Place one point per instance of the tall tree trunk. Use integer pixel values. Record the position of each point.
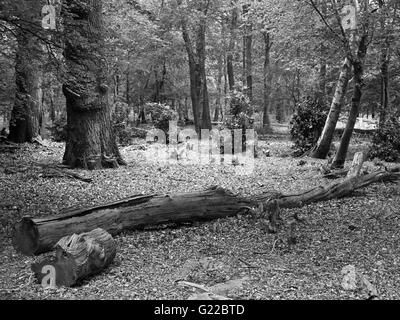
(186, 115)
(358, 66)
(322, 81)
(197, 68)
(226, 98)
(384, 105)
(159, 95)
(24, 122)
(218, 105)
(323, 65)
(219, 110)
(128, 84)
(116, 79)
(324, 143)
(180, 111)
(248, 52)
(156, 96)
(267, 81)
(279, 107)
(249, 64)
(201, 52)
(52, 106)
(385, 78)
(195, 79)
(163, 79)
(386, 30)
(231, 49)
(91, 141)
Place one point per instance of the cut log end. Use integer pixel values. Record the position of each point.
(25, 237)
(77, 257)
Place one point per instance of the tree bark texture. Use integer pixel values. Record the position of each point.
(91, 142)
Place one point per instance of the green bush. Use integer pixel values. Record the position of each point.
(240, 116)
(239, 103)
(307, 125)
(161, 115)
(239, 112)
(386, 141)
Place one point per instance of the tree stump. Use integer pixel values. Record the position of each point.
(77, 257)
(356, 166)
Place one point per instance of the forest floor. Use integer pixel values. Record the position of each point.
(362, 230)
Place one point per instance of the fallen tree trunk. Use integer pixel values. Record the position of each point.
(336, 190)
(47, 171)
(271, 207)
(77, 257)
(35, 236)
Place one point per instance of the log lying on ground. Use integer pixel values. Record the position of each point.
(328, 192)
(48, 171)
(77, 257)
(35, 236)
(7, 146)
(338, 190)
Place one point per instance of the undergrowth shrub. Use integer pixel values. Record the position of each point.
(161, 115)
(386, 141)
(240, 110)
(307, 125)
(240, 116)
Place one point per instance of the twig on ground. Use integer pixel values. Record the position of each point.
(250, 266)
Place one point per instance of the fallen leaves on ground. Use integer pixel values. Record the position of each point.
(362, 231)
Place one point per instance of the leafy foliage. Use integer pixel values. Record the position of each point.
(386, 141)
(240, 111)
(240, 116)
(161, 115)
(307, 125)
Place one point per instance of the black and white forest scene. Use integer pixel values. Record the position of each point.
(200, 150)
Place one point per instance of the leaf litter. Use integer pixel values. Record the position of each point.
(303, 261)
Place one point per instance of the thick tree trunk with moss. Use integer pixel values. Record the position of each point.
(91, 141)
(24, 123)
(324, 143)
